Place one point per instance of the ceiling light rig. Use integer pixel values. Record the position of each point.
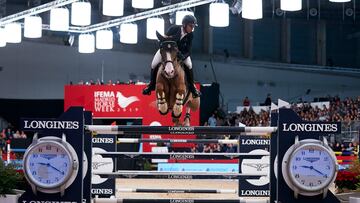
(142, 4)
(113, 7)
(33, 27)
(219, 14)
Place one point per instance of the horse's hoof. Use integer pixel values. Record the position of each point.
(164, 112)
(174, 116)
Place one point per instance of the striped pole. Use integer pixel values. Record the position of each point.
(179, 156)
(145, 190)
(207, 130)
(204, 141)
(177, 174)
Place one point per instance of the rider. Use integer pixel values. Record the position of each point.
(184, 44)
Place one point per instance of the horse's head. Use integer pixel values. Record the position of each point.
(168, 51)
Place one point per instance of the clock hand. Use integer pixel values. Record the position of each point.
(317, 171)
(55, 169)
(306, 166)
(312, 168)
(47, 164)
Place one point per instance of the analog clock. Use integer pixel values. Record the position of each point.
(50, 164)
(309, 167)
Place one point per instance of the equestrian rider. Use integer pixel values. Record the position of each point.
(184, 44)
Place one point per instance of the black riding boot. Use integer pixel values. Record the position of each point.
(190, 80)
(151, 86)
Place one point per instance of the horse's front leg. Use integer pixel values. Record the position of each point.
(161, 99)
(187, 117)
(179, 102)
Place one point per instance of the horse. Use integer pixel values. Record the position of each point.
(171, 89)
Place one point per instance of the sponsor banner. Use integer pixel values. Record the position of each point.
(313, 127)
(124, 101)
(69, 123)
(198, 167)
(254, 186)
(48, 124)
(104, 187)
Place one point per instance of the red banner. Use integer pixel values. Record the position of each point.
(121, 102)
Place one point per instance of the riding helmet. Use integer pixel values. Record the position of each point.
(189, 19)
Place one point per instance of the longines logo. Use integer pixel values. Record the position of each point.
(180, 176)
(182, 201)
(255, 192)
(255, 142)
(181, 130)
(181, 156)
(257, 166)
(47, 201)
(102, 191)
(310, 127)
(36, 124)
(102, 140)
(97, 165)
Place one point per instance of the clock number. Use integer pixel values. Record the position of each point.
(297, 159)
(47, 181)
(325, 176)
(311, 150)
(297, 176)
(303, 182)
(35, 155)
(294, 167)
(328, 167)
(34, 173)
(48, 147)
(57, 179)
(319, 182)
(303, 153)
(65, 164)
(311, 184)
(40, 150)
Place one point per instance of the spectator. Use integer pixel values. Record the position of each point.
(246, 101)
(212, 120)
(268, 100)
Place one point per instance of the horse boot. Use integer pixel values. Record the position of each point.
(151, 86)
(190, 80)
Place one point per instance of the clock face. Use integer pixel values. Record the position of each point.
(48, 164)
(311, 167)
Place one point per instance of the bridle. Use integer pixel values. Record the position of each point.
(168, 45)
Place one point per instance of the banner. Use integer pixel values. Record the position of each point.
(124, 101)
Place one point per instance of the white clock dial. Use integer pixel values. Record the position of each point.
(48, 164)
(311, 167)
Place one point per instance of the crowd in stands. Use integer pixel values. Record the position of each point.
(344, 111)
(109, 82)
(9, 133)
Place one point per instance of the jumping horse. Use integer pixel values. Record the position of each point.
(171, 89)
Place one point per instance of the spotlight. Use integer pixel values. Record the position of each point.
(236, 8)
(69, 40)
